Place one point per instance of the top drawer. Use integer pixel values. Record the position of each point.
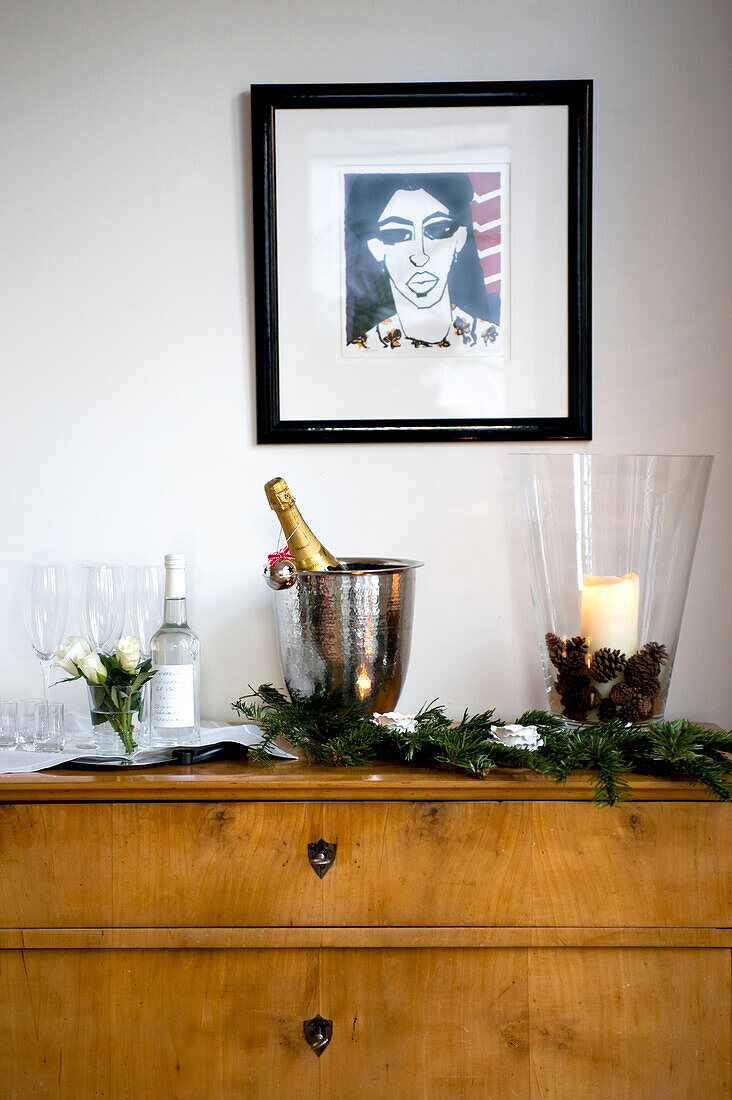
(544, 864)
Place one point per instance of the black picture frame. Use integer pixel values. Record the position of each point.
(266, 103)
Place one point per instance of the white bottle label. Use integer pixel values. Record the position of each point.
(172, 697)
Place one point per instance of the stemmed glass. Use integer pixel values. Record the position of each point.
(145, 605)
(145, 602)
(46, 610)
(102, 604)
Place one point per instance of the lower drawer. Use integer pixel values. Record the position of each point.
(420, 1023)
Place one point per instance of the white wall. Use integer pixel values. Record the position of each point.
(127, 335)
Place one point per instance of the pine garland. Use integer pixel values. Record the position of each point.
(605, 751)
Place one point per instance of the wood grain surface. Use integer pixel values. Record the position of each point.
(618, 1025)
(423, 1024)
(218, 1024)
(55, 865)
(465, 863)
(426, 1024)
(216, 864)
(95, 939)
(55, 1025)
(652, 864)
(481, 864)
(153, 1024)
(296, 780)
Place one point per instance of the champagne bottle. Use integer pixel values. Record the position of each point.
(175, 654)
(307, 550)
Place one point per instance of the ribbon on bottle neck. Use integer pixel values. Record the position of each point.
(280, 555)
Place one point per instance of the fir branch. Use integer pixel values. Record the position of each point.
(704, 773)
(271, 696)
(674, 740)
(606, 751)
(608, 764)
(543, 721)
(716, 739)
(458, 747)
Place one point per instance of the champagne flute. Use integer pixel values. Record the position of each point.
(102, 604)
(145, 602)
(46, 610)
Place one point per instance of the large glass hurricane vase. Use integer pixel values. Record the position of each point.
(610, 542)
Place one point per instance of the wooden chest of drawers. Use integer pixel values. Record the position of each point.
(167, 934)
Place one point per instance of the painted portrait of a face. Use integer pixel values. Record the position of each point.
(414, 275)
(418, 242)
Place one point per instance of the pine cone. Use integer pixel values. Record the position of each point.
(632, 704)
(591, 697)
(646, 664)
(606, 664)
(570, 686)
(607, 710)
(650, 688)
(574, 656)
(569, 680)
(657, 651)
(554, 645)
(575, 711)
(641, 670)
(637, 711)
(621, 692)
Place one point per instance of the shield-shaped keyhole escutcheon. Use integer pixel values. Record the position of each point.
(318, 1033)
(321, 856)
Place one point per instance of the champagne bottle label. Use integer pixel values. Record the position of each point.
(172, 702)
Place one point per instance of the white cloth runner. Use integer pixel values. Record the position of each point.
(79, 736)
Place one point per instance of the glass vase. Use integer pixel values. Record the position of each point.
(117, 729)
(610, 541)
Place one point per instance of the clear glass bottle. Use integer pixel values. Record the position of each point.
(175, 654)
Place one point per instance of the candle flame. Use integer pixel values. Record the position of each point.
(363, 683)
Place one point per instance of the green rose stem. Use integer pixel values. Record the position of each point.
(122, 723)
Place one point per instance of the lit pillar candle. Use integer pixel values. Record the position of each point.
(610, 612)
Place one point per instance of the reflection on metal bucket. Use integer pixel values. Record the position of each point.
(345, 636)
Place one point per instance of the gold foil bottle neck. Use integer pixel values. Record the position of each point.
(278, 494)
(307, 550)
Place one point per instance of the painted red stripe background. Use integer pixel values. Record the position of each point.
(484, 183)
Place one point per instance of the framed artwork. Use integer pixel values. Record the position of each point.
(422, 261)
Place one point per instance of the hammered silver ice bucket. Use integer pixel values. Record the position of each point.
(344, 637)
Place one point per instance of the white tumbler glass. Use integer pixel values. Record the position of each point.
(30, 722)
(50, 735)
(8, 723)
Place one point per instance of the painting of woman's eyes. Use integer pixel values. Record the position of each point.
(439, 229)
(395, 234)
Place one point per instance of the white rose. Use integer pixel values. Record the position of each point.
(70, 653)
(92, 669)
(127, 651)
(517, 737)
(404, 723)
